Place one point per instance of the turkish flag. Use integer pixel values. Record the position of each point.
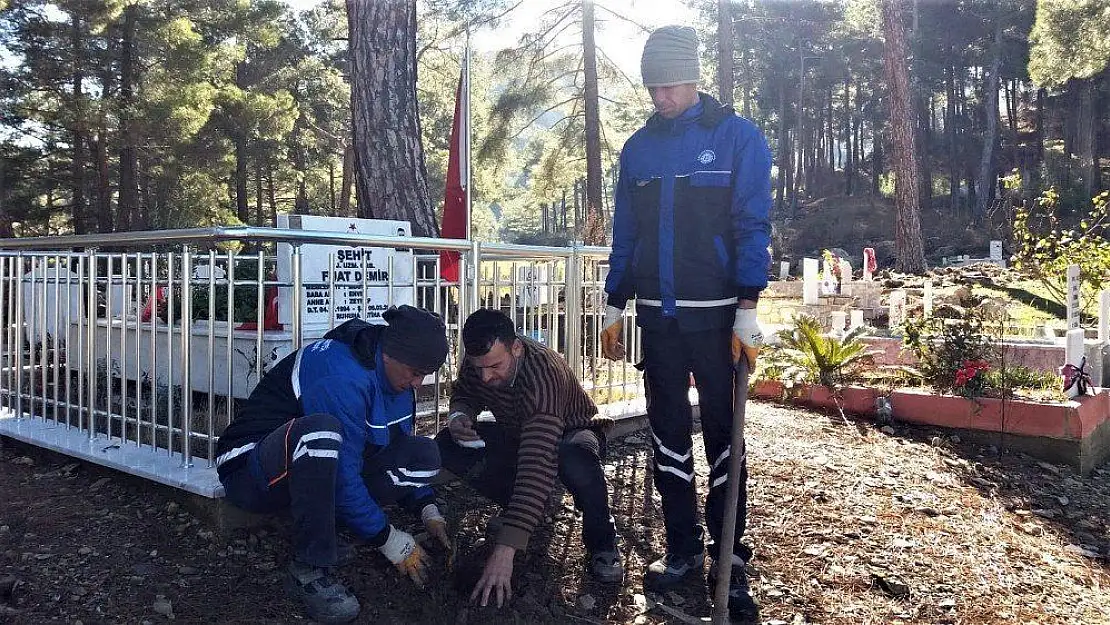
(454, 198)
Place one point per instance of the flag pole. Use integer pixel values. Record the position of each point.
(465, 156)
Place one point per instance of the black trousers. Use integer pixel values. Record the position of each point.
(670, 357)
(295, 467)
(580, 454)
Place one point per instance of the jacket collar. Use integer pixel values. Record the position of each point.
(708, 112)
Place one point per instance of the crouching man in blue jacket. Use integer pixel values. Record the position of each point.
(327, 433)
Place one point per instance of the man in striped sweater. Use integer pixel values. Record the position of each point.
(546, 428)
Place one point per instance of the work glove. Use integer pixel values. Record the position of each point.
(612, 331)
(747, 337)
(461, 427)
(435, 524)
(409, 558)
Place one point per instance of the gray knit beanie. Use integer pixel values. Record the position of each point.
(670, 57)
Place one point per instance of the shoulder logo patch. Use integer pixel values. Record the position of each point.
(706, 157)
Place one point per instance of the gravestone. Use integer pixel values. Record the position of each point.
(811, 282)
(996, 250)
(928, 298)
(838, 319)
(856, 319)
(1104, 316)
(1073, 297)
(784, 270)
(897, 308)
(352, 267)
(869, 263)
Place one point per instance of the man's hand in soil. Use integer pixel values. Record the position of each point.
(409, 558)
(497, 576)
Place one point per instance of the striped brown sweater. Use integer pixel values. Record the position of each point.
(544, 401)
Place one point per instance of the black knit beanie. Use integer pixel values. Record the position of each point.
(415, 337)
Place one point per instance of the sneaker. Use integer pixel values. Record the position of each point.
(324, 598)
(668, 571)
(742, 608)
(606, 567)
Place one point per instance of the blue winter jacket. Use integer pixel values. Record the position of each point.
(691, 218)
(345, 378)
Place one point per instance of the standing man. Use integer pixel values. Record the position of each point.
(690, 237)
(327, 433)
(547, 427)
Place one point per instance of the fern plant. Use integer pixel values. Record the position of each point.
(805, 354)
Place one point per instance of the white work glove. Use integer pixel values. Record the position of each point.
(435, 524)
(463, 432)
(747, 337)
(612, 332)
(409, 558)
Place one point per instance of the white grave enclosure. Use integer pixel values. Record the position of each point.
(386, 274)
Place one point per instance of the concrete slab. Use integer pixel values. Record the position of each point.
(114, 453)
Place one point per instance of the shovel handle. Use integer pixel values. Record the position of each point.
(732, 494)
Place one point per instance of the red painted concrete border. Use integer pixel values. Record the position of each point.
(1073, 420)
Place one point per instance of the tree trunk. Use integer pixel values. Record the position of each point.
(259, 209)
(242, 208)
(392, 174)
(272, 195)
(849, 147)
(1085, 137)
(924, 164)
(950, 130)
(745, 62)
(876, 157)
(909, 252)
(1042, 101)
(985, 184)
(77, 140)
(331, 187)
(99, 146)
(784, 151)
(127, 209)
(347, 180)
(593, 124)
(724, 51)
(5, 219)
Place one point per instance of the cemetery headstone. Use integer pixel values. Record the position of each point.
(1073, 297)
(376, 268)
(784, 270)
(870, 265)
(811, 283)
(1104, 316)
(856, 320)
(897, 308)
(928, 298)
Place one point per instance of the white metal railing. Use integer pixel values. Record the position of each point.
(148, 339)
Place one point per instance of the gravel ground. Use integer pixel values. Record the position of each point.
(850, 524)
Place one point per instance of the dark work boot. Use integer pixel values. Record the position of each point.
(606, 567)
(742, 608)
(670, 570)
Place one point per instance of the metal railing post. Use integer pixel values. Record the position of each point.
(186, 357)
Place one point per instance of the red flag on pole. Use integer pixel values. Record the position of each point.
(454, 198)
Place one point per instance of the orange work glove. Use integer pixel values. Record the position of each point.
(612, 333)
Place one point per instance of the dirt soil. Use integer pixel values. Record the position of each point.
(850, 524)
